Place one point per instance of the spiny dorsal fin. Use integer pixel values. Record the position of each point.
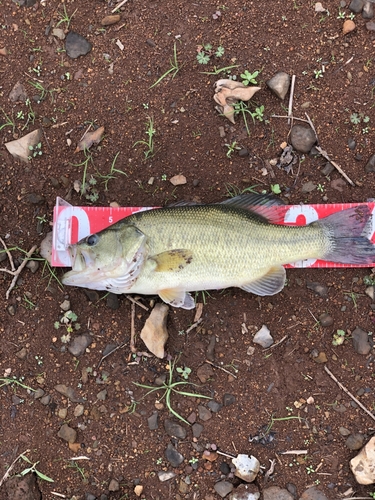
(263, 205)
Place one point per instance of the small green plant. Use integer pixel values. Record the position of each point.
(206, 52)
(8, 123)
(341, 14)
(320, 188)
(33, 469)
(65, 18)
(338, 338)
(369, 280)
(226, 69)
(184, 372)
(275, 188)
(110, 175)
(193, 460)
(248, 77)
(81, 471)
(35, 151)
(231, 148)
(357, 118)
(14, 381)
(310, 469)
(169, 387)
(318, 73)
(69, 321)
(159, 461)
(233, 190)
(173, 70)
(149, 142)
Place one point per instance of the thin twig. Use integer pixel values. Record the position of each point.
(194, 325)
(290, 105)
(109, 353)
(294, 118)
(135, 301)
(325, 155)
(132, 330)
(294, 452)
(349, 393)
(270, 470)
(8, 254)
(88, 128)
(312, 126)
(277, 343)
(119, 5)
(6, 475)
(16, 272)
(220, 368)
(224, 454)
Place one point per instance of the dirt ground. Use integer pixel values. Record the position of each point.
(264, 392)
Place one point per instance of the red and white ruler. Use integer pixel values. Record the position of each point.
(71, 224)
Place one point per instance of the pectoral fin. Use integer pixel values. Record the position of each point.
(177, 298)
(269, 284)
(172, 260)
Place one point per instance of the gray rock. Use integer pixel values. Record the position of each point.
(279, 84)
(245, 492)
(153, 421)
(228, 399)
(370, 26)
(23, 488)
(355, 441)
(76, 45)
(356, 6)
(302, 138)
(174, 429)
(67, 433)
(368, 10)
(277, 493)
(344, 431)
(370, 165)
(45, 400)
(292, 489)
(361, 342)
(69, 393)
(114, 485)
(223, 488)
(92, 295)
(352, 143)
(203, 413)
(173, 456)
(328, 169)
(313, 494)
(78, 410)
(39, 393)
(308, 187)
(326, 320)
(102, 395)
(214, 406)
(18, 93)
(79, 344)
(33, 265)
(22, 353)
(90, 496)
(113, 301)
(65, 306)
(263, 337)
(58, 33)
(165, 475)
(319, 289)
(197, 429)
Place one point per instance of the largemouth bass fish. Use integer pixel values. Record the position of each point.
(238, 243)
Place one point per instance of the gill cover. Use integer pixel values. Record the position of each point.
(110, 260)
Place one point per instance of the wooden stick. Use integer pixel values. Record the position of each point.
(132, 330)
(135, 301)
(108, 354)
(349, 393)
(294, 118)
(220, 368)
(18, 271)
(337, 167)
(290, 105)
(119, 5)
(8, 254)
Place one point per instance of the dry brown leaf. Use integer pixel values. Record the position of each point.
(20, 148)
(89, 139)
(243, 94)
(74, 447)
(228, 84)
(228, 92)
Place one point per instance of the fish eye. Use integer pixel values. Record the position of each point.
(92, 240)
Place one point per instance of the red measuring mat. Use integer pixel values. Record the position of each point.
(71, 224)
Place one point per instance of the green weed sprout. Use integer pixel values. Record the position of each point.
(108, 177)
(248, 77)
(34, 469)
(169, 387)
(149, 142)
(65, 18)
(174, 69)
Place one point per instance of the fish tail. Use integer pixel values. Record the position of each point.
(347, 233)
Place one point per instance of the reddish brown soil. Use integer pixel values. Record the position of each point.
(257, 35)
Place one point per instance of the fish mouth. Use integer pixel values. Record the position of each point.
(80, 262)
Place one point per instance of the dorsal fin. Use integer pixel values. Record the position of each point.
(266, 206)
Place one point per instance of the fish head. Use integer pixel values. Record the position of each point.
(108, 260)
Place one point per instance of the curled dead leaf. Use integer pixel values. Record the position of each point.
(228, 93)
(89, 139)
(20, 148)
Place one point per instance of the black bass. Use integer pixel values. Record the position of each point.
(238, 243)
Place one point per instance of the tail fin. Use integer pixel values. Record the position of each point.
(347, 231)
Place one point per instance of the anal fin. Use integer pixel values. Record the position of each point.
(270, 283)
(177, 298)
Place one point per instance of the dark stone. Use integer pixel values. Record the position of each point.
(302, 138)
(321, 290)
(173, 456)
(328, 168)
(214, 406)
(23, 488)
(224, 468)
(35, 199)
(355, 441)
(351, 143)
(361, 342)
(113, 301)
(79, 344)
(197, 429)
(76, 45)
(325, 319)
(356, 6)
(92, 295)
(153, 421)
(174, 430)
(228, 399)
(370, 165)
